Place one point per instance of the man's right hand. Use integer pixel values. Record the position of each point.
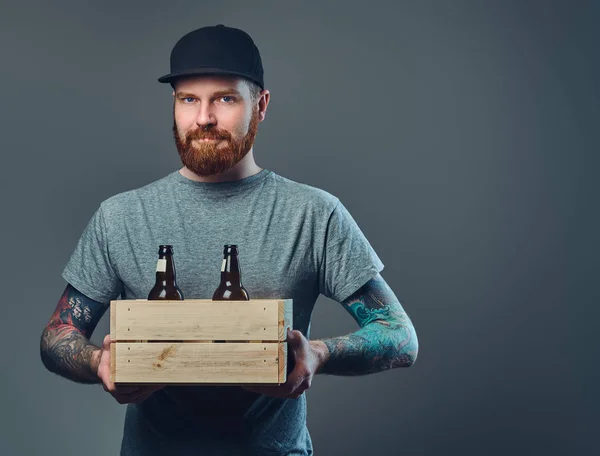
(130, 394)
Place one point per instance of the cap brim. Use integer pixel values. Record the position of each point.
(203, 71)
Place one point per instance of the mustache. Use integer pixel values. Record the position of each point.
(202, 134)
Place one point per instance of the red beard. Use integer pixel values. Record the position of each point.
(209, 158)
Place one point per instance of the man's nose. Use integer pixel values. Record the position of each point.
(205, 116)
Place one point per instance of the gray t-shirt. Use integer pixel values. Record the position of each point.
(295, 242)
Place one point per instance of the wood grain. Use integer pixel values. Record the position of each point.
(285, 317)
(196, 320)
(198, 362)
(200, 341)
(113, 319)
(282, 361)
(113, 361)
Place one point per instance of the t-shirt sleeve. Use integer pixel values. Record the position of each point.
(90, 269)
(349, 261)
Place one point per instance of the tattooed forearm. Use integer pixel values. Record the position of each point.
(386, 339)
(68, 353)
(65, 348)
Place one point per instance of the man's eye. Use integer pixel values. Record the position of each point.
(188, 99)
(230, 98)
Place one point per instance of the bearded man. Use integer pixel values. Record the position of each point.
(297, 242)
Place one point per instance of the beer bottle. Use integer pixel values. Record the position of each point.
(231, 287)
(165, 287)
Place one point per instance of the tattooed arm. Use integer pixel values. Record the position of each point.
(64, 346)
(386, 338)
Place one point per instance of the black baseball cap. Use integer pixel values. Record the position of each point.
(215, 49)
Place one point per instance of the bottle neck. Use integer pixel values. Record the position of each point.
(165, 269)
(230, 270)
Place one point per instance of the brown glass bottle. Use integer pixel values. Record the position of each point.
(165, 287)
(231, 288)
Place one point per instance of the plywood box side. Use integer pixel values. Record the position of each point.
(229, 320)
(197, 363)
(282, 359)
(285, 317)
(113, 315)
(289, 315)
(113, 361)
(254, 320)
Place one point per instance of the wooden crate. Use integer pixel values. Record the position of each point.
(200, 341)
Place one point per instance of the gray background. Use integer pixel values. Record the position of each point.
(462, 136)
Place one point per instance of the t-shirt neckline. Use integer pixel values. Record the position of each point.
(222, 188)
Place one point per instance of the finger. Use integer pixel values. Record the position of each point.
(126, 398)
(295, 379)
(144, 393)
(148, 388)
(295, 350)
(120, 389)
(298, 344)
(302, 387)
(292, 337)
(106, 342)
(130, 389)
(106, 383)
(294, 391)
(136, 398)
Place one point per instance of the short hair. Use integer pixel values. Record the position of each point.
(254, 91)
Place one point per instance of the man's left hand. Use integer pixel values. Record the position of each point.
(309, 357)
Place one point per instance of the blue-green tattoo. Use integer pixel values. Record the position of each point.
(386, 338)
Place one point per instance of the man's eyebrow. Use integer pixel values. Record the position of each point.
(219, 93)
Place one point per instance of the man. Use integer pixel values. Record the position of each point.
(296, 241)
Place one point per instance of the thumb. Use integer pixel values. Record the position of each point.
(291, 336)
(106, 342)
(294, 338)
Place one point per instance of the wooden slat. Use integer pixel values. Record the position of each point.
(283, 349)
(113, 320)
(285, 317)
(113, 364)
(195, 363)
(196, 320)
(286, 321)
